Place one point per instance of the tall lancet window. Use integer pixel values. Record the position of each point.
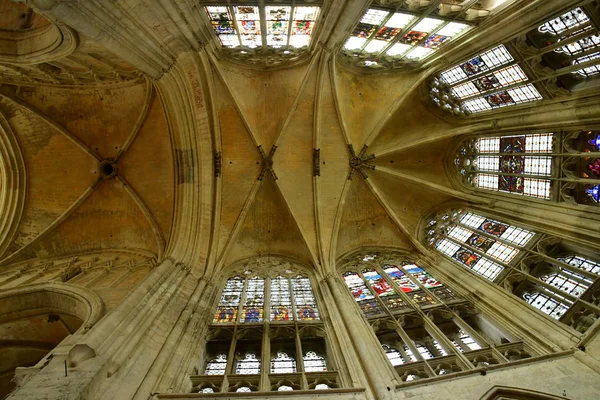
(557, 277)
(424, 328)
(560, 166)
(266, 334)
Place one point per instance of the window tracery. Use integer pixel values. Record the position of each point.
(274, 31)
(410, 32)
(266, 333)
(435, 332)
(554, 276)
(556, 166)
(554, 59)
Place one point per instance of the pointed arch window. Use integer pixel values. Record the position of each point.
(432, 325)
(557, 279)
(557, 166)
(266, 328)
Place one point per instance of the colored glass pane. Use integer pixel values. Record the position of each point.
(426, 279)
(400, 278)
(249, 365)
(362, 294)
(594, 193)
(306, 306)
(217, 365)
(283, 364)
(281, 302)
(252, 311)
(313, 362)
(230, 301)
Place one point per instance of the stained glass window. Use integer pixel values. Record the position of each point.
(567, 21)
(401, 35)
(582, 263)
(488, 81)
(241, 25)
(230, 300)
(476, 241)
(518, 164)
(378, 291)
(281, 302)
(290, 298)
(304, 300)
(248, 365)
(283, 364)
(217, 365)
(313, 362)
(362, 294)
(547, 305)
(464, 342)
(252, 311)
(393, 355)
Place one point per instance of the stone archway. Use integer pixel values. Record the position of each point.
(35, 319)
(512, 393)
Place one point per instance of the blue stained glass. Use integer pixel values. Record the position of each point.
(595, 142)
(593, 192)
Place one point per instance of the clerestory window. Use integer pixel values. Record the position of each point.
(266, 335)
(421, 324)
(559, 278)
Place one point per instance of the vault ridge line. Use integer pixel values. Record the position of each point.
(337, 222)
(415, 242)
(217, 70)
(396, 105)
(238, 224)
(463, 130)
(437, 187)
(336, 100)
(48, 120)
(149, 216)
(321, 75)
(206, 73)
(15, 187)
(61, 218)
(303, 85)
(140, 121)
(314, 256)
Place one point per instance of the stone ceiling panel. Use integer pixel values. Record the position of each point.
(148, 167)
(265, 97)
(365, 222)
(57, 171)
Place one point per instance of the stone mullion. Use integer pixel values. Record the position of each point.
(432, 6)
(373, 293)
(265, 365)
(522, 248)
(375, 365)
(263, 22)
(480, 253)
(463, 325)
(290, 23)
(444, 342)
(339, 356)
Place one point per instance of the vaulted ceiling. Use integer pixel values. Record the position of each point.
(311, 161)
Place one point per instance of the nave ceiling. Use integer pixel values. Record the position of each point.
(255, 175)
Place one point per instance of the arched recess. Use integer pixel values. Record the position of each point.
(34, 319)
(28, 38)
(12, 184)
(512, 393)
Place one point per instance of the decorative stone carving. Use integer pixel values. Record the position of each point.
(360, 162)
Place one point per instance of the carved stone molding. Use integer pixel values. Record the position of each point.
(48, 43)
(13, 187)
